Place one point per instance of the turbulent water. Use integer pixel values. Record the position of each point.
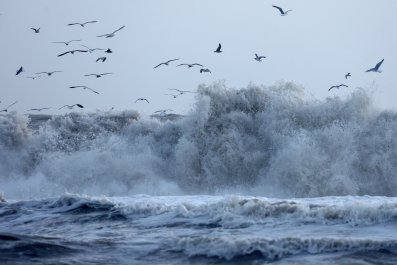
(72, 185)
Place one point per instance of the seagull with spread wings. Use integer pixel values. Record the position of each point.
(82, 24)
(36, 30)
(91, 50)
(39, 109)
(72, 106)
(48, 73)
(99, 75)
(283, 13)
(85, 87)
(65, 42)
(165, 63)
(347, 75)
(376, 68)
(142, 99)
(338, 86)
(190, 65)
(103, 59)
(6, 109)
(111, 35)
(71, 52)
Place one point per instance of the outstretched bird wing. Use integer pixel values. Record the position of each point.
(62, 54)
(158, 65)
(379, 64)
(11, 104)
(71, 24)
(279, 8)
(118, 29)
(94, 21)
(80, 106)
(19, 70)
(219, 48)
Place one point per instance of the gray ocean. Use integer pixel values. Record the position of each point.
(258, 175)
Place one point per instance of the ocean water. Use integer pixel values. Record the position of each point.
(259, 175)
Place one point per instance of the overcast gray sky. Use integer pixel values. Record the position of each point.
(315, 46)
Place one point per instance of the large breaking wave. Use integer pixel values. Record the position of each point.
(268, 141)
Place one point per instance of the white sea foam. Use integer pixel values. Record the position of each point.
(267, 141)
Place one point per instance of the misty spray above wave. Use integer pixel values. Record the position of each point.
(267, 141)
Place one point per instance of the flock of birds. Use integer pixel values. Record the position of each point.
(177, 93)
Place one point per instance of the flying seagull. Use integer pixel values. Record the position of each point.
(6, 109)
(72, 106)
(376, 68)
(85, 87)
(103, 59)
(71, 52)
(218, 50)
(49, 73)
(38, 109)
(91, 50)
(142, 99)
(174, 96)
(259, 58)
(98, 75)
(165, 63)
(190, 65)
(33, 77)
(283, 13)
(347, 75)
(341, 85)
(111, 35)
(65, 42)
(202, 70)
(163, 111)
(20, 70)
(36, 30)
(181, 92)
(82, 24)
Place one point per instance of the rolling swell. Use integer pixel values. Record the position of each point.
(268, 141)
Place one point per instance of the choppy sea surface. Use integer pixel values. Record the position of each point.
(259, 175)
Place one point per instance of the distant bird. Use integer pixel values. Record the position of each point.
(72, 106)
(376, 68)
(36, 30)
(99, 75)
(108, 51)
(33, 77)
(85, 87)
(111, 35)
(142, 99)
(259, 58)
(103, 59)
(165, 63)
(6, 109)
(174, 96)
(181, 92)
(91, 50)
(347, 75)
(341, 85)
(163, 111)
(20, 70)
(190, 65)
(218, 50)
(82, 24)
(39, 109)
(202, 70)
(65, 42)
(283, 13)
(71, 52)
(49, 73)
